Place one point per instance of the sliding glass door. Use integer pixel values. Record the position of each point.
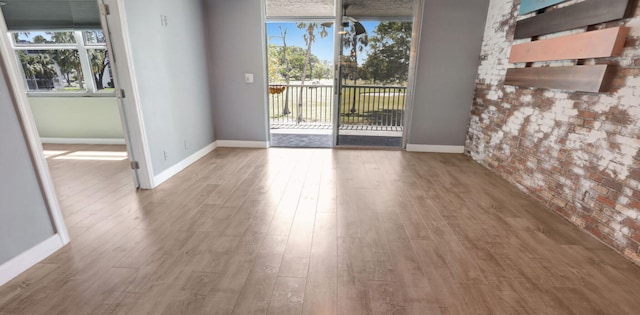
(374, 67)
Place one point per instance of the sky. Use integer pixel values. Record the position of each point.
(322, 47)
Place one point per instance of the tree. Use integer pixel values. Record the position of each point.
(67, 59)
(37, 66)
(290, 68)
(354, 43)
(390, 48)
(99, 64)
(274, 65)
(309, 39)
(322, 69)
(287, 68)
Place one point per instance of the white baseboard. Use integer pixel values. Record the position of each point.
(28, 259)
(242, 144)
(435, 148)
(170, 172)
(82, 140)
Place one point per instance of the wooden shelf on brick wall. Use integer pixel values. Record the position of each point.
(595, 44)
(591, 44)
(579, 78)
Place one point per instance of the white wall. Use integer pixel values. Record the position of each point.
(448, 61)
(24, 217)
(236, 45)
(170, 66)
(77, 117)
(449, 55)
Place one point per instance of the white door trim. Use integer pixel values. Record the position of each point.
(413, 68)
(130, 111)
(337, 64)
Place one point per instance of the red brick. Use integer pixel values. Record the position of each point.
(587, 115)
(632, 224)
(634, 204)
(589, 220)
(606, 201)
(617, 186)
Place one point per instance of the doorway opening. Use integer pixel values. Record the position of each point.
(373, 79)
(301, 90)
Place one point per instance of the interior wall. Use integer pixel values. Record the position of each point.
(578, 153)
(448, 58)
(236, 45)
(170, 65)
(77, 117)
(24, 217)
(450, 46)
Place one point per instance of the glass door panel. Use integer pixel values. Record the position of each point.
(301, 91)
(374, 66)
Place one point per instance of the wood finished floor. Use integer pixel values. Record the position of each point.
(308, 231)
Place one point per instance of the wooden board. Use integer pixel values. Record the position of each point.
(528, 6)
(596, 44)
(582, 14)
(580, 78)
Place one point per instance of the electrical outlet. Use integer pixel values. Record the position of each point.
(248, 78)
(185, 145)
(163, 20)
(166, 155)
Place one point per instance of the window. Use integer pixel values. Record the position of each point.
(64, 62)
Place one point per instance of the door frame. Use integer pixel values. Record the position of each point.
(266, 20)
(418, 13)
(114, 24)
(418, 9)
(337, 70)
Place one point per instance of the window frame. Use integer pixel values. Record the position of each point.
(85, 62)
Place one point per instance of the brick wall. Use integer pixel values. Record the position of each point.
(578, 153)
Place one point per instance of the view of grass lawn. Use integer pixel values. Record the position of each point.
(371, 105)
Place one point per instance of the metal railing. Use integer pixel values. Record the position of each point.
(365, 107)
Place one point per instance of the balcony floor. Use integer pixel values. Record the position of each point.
(321, 138)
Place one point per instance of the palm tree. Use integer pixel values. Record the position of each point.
(286, 110)
(68, 60)
(356, 43)
(309, 39)
(37, 67)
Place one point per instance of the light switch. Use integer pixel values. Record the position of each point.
(248, 78)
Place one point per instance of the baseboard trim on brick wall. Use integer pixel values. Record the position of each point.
(82, 140)
(435, 148)
(242, 144)
(170, 172)
(29, 258)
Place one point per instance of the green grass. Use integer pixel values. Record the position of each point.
(371, 106)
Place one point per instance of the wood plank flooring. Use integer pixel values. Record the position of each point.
(312, 231)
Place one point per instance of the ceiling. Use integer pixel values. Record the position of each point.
(83, 14)
(51, 14)
(355, 8)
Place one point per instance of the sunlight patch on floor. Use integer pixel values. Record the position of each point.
(94, 156)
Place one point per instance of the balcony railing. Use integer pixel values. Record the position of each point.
(363, 107)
